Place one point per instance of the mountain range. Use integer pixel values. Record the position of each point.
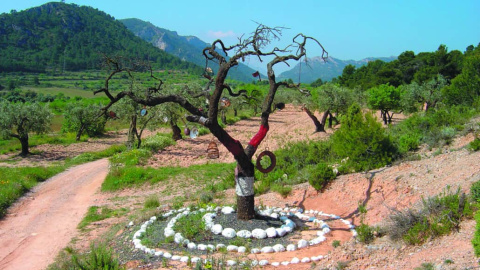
(59, 36)
(316, 67)
(188, 48)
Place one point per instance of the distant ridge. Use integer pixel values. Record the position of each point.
(58, 36)
(188, 48)
(316, 68)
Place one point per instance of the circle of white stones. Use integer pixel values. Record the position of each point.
(283, 214)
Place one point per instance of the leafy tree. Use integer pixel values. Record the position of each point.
(465, 88)
(329, 99)
(362, 140)
(318, 82)
(255, 45)
(385, 98)
(80, 118)
(17, 120)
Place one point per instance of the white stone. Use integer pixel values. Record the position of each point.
(315, 259)
(263, 262)
(130, 224)
(229, 233)
(220, 246)
(158, 253)
(231, 262)
(259, 234)
(285, 263)
(354, 233)
(184, 259)
(255, 251)
(192, 245)
(232, 248)
(274, 215)
(210, 247)
(278, 248)
(175, 258)
(137, 241)
(306, 260)
(169, 232)
(242, 249)
(281, 232)
(227, 210)
(201, 247)
(302, 243)
(195, 259)
(217, 229)
(178, 238)
(244, 234)
(153, 218)
(275, 264)
(167, 255)
(291, 247)
(267, 250)
(271, 232)
(326, 230)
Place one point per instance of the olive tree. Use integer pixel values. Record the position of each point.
(17, 120)
(258, 44)
(80, 117)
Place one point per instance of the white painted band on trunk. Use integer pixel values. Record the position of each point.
(202, 120)
(244, 186)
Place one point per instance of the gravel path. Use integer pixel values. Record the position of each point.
(45, 220)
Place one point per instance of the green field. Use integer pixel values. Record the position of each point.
(68, 92)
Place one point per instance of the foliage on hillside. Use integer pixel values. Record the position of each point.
(58, 36)
(406, 69)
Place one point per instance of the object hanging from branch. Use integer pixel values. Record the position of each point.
(257, 74)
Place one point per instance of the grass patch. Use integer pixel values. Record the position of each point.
(438, 215)
(192, 227)
(98, 257)
(15, 182)
(152, 201)
(96, 213)
(131, 176)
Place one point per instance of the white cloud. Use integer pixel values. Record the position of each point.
(221, 34)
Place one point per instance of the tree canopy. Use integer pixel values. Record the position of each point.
(17, 120)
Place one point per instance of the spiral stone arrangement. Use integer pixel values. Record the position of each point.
(229, 233)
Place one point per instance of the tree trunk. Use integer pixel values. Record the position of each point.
(24, 143)
(245, 193)
(319, 127)
(384, 117)
(224, 117)
(132, 130)
(80, 132)
(176, 132)
(235, 112)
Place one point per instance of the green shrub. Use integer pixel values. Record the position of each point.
(192, 227)
(476, 237)
(157, 142)
(474, 145)
(131, 158)
(98, 257)
(365, 233)
(320, 176)
(475, 191)
(363, 140)
(151, 202)
(437, 216)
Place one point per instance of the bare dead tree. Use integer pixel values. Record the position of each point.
(253, 46)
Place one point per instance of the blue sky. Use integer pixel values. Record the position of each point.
(347, 29)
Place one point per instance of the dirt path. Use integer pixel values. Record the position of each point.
(44, 221)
